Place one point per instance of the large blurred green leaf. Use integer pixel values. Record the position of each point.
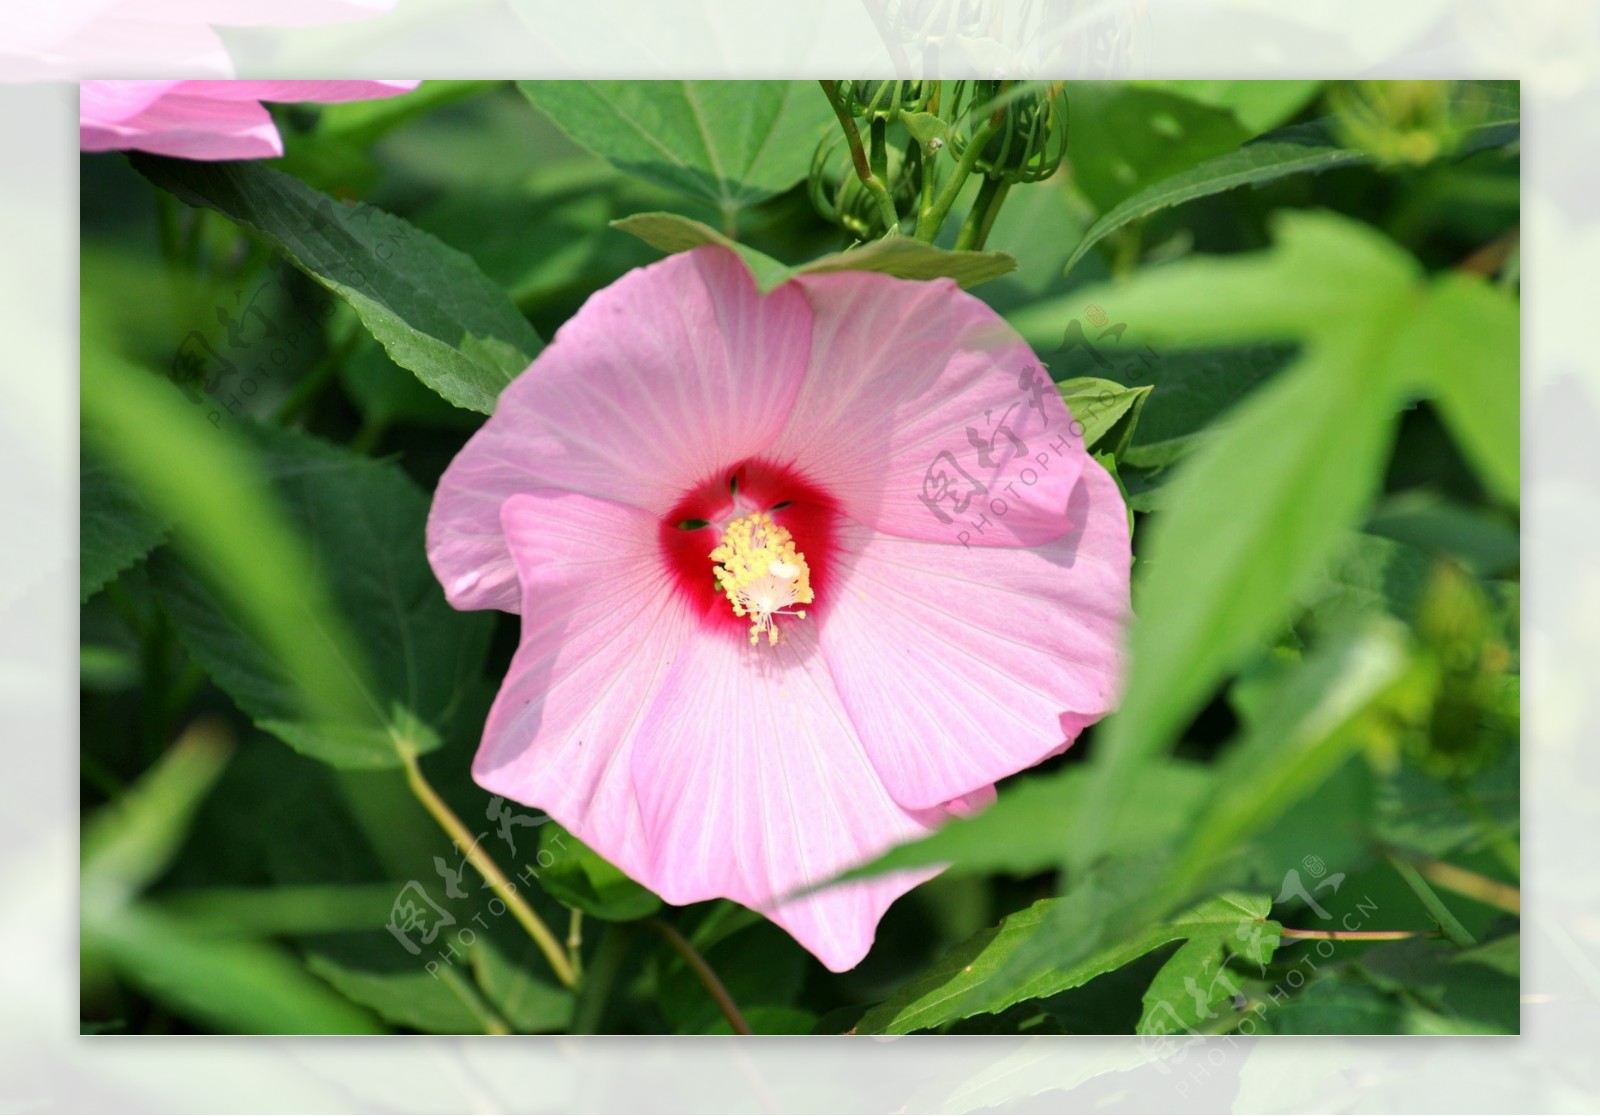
(1304, 734)
(958, 985)
(1023, 832)
(228, 983)
(731, 143)
(1463, 347)
(428, 304)
(1298, 149)
(365, 520)
(226, 523)
(115, 527)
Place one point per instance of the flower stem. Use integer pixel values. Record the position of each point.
(932, 220)
(1471, 884)
(858, 157)
(975, 229)
(1457, 933)
(487, 868)
(1356, 935)
(697, 965)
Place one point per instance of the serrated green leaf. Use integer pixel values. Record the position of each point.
(429, 306)
(579, 877)
(115, 526)
(1300, 149)
(1108, 412)
(439, 1003)
(730, 143)
(420, 655)
(964, 982)
(512, 973)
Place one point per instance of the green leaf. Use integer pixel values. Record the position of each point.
(963, 982)
(439, 1003)
(1258, 105)
(1299, 149)
(426, 303)
(115, 526)
(899, 256)
(228, 984)
(1368, 573)
(579, 877)
(187, 469)
(510, 971)
(1023, 832)
(1126, 137)
(671, 232)
(730, 143)
(1254, 512)
(905, 258)
(367, 519)
(132, 841)
(1108, 412)
(1305, 733)
(1463, 348)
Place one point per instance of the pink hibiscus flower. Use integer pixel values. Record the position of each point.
(800, 574)
(203, 119)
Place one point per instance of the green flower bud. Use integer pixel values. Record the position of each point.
(1030, 136)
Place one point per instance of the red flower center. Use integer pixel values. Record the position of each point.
(695, 526)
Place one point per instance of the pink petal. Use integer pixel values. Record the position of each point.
(112, 102)
(599, 629)
(321, 92)
(674, 372)
(960, 666)
(191, 128)
(904, 377)
(753, 784)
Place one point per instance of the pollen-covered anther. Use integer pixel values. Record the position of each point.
(762, 573)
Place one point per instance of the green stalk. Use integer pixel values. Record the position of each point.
(1457, 933)
(487, 868)
(930, 222)
(858, 157)
(975, 229)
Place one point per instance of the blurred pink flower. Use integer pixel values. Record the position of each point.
(203, 119)
(800, 574)
(45, 39)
